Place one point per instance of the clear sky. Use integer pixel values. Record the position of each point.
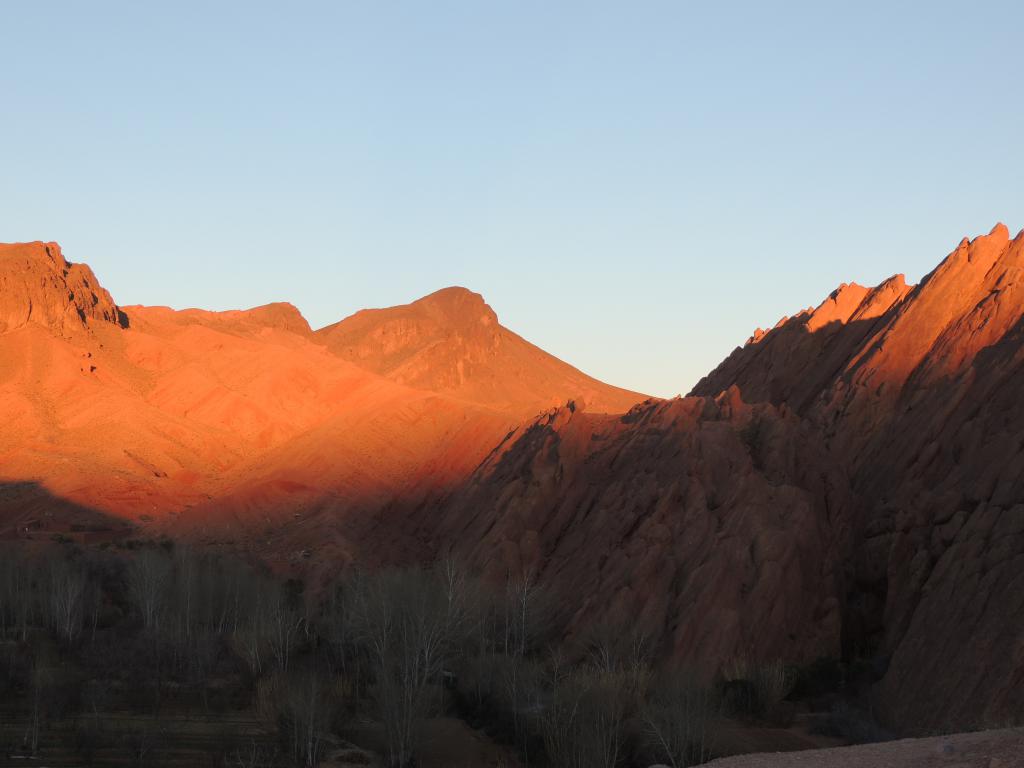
(634, 186)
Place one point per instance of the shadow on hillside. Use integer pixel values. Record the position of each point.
(28, 511)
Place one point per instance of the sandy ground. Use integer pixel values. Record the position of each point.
(985, 749)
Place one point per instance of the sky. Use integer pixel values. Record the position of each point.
(633, 186)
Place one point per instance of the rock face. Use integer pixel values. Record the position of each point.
(37, 285)
(715, 528)
(451, 342)
(920, 401)
(793, 362)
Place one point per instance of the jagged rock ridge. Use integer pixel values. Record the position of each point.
(922, 406)
(37, 285)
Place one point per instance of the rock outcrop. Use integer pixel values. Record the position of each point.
(715, 528)
(37, 285)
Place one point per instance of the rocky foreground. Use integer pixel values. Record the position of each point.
(985, 749)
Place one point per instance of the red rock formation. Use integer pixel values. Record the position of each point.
(794, 361)
(716, 528)
(38, 286)
(922, 405)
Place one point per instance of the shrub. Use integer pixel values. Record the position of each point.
(583, 724)
(819, 678)
(677, 717)
(755, 688)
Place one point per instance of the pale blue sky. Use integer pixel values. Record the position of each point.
(633, 186)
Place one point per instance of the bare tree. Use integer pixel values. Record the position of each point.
(482, 638)
(229, 585)
(519, 695)
(40, 681)
(300, 704)
(286, 622)
(66, 593)
(188, 624)
(583, 725)
(148, 577)
(186, 577)
(270, 626)
(9, 562)
(521, 594)
(19, 592)
(252, 638)
(455, 588)
(677, 716)
(402, 620)
(308, 709)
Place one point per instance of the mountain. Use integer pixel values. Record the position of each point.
(848, 484)
(917, 392)
(220, 421)
(450, 342)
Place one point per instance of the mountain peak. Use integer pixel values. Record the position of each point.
(459, 305)
(282, 315)
(838, 307)
(1000, 231)
(981, 250)
(38, 285)
(451, 342)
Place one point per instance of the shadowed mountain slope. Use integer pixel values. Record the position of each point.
(922, 405)
(715, 528)
(848, 483)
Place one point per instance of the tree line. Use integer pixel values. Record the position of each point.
(158, 628)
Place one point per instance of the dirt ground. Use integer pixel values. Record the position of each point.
(448, 743)
(984, 749)
(731, 737)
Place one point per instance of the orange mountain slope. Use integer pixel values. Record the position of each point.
(450, 342)
(141, 412)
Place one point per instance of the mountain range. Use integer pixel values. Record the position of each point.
(848, 484)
